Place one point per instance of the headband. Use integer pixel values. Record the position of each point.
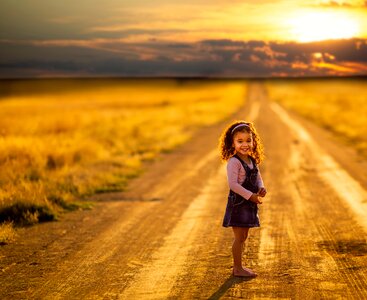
(239, 126)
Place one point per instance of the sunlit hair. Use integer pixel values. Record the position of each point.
(226, 141)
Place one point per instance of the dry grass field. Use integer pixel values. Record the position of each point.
(61, 141)
(340, 105)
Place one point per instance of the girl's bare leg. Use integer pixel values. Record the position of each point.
(240, 236)
(237, 246)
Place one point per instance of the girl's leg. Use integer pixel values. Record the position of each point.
(240, 236)
(237, 247)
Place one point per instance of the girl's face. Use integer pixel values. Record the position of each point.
(243, 143)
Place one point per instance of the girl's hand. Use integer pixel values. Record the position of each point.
(262, 192)
(255, 198)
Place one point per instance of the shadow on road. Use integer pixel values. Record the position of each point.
(227, 285)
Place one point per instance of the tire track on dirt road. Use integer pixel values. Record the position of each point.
(330, 170)
(348, 206)
(106, 265)
(155, 280)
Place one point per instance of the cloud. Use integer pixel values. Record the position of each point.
(344, 4)
(336, 4)
(206, 58)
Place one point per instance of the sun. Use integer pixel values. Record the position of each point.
(318, 26)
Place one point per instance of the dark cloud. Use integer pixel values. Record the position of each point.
(207, 58)
(222, 43)
(352, 50)
(179, 46)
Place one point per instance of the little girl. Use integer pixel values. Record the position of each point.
(241, 147)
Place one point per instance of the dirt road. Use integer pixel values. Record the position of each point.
(163, 239)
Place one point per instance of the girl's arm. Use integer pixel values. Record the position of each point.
(233, 169)
(262, 189)
(260, 182)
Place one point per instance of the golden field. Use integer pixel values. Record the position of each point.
(340, 105)
(61, 140)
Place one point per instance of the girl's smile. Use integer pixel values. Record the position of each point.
(243, 143)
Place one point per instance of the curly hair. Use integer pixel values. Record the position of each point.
(226, 141)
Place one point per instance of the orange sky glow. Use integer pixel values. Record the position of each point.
(163, 31)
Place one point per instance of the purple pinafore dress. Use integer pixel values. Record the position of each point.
(239, 211)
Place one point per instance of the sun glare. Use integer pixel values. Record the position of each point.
(318, 26)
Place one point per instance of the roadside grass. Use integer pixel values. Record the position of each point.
(62, 141)
(339, 105)
(7, 233)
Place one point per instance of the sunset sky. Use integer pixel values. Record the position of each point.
(210, 38)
